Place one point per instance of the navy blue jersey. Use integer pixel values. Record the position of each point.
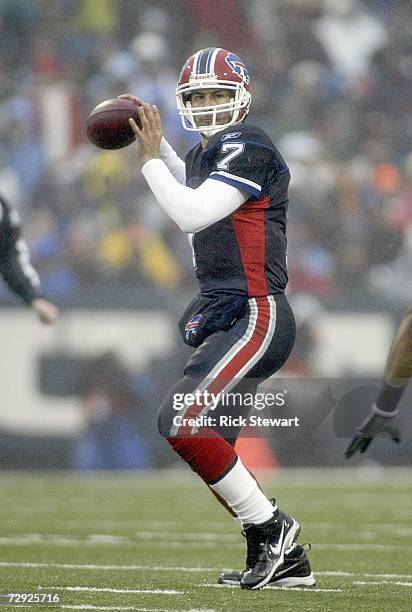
(244, 253)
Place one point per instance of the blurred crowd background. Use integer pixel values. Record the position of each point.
(331, 84)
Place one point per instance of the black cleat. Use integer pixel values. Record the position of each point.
(294, 572)
(268, 542)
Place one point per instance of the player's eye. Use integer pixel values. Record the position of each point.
(222, 97)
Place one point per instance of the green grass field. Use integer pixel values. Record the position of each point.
(159, 541)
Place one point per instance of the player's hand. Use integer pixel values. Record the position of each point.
(46, 311)
(375, 423)
(150, 134)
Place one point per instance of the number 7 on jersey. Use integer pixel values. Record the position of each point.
(235, 148)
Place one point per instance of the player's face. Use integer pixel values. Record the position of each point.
(210, 97)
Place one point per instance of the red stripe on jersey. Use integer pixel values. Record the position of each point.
(250, 229)
(235, 365)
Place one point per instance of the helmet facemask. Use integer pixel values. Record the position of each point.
(237, 107)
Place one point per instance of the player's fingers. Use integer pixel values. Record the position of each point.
(149, 115)
(364, 444)
(132, 98)
(134, 127)
(352, 448)
(143, 118)
(153, 117)
(155, 122)
(349, 453)
(157, 117)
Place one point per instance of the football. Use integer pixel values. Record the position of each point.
(108, 126)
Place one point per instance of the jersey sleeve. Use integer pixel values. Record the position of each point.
(242, 160)
(15, 265)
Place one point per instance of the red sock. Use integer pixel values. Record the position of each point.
(211, 457)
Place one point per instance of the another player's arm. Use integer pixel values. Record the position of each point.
(398, 370)
(189, 208)
(16, 268)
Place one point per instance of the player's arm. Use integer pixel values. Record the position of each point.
(190, 208)
(398, 370)
(174, 163)
(16, 268)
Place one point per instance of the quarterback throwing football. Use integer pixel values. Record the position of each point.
(231, 196)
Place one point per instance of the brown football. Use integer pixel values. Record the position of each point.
(108, 126)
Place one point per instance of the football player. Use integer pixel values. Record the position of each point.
(231, 197)
(398, 370)
(15, 266)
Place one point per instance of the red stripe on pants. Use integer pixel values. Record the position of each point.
(236, 364)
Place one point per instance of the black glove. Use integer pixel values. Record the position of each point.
(378, 421)
(206, 315)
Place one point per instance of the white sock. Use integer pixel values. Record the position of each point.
(241, 491)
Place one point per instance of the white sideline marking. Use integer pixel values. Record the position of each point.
(316, 590)
(326, 525)
(365, 582)
(352, 574)
(397, 529)
(115, 608)
(49, 508)
(110, 567)
(374, 547)
(95, 539)
(158, 536)
(280, 588)
(174, 568)
(186, 535)
(123, 523)
(109, 590)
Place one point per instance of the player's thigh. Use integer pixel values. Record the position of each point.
(173, 403)
(232, 412)
(226, 414)
(199, 374)
(281, 344)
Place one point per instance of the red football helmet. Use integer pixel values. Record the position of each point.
(213, 68)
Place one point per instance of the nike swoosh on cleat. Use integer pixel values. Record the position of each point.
(287, 569)
(277, 549)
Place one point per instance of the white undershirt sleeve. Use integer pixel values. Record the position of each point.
(191, 209)
(175, 163)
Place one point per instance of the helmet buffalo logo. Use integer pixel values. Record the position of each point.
(238, 67)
